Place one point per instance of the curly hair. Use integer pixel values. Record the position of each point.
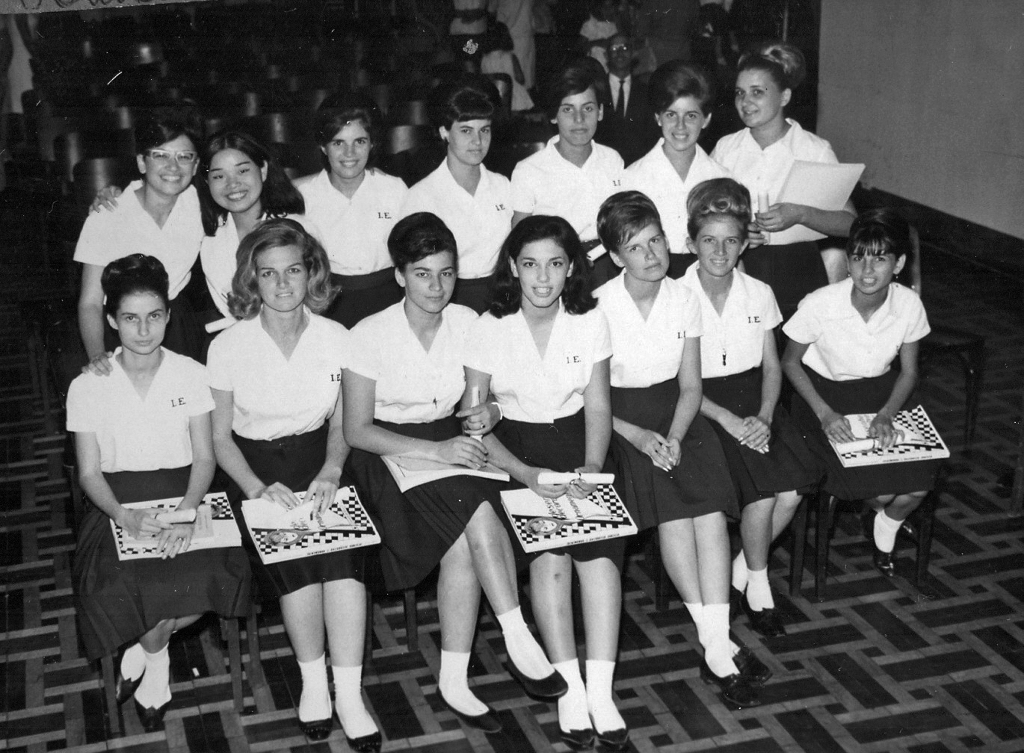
(576, 295)
(135, 273)
(278, 197)
(783, 62)
(714, 199)
(244, 300)
(877, 232)
(623, 215)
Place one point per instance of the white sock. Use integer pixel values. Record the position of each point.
(717, 646)
(453, 683)
(523, 649)
(885, 531)
(155, 689)
(599, 696)
(133, 662)
(696, 610)
(348, 702)
(759, 592)
(315, 701)
(739, 572)
(572, 707)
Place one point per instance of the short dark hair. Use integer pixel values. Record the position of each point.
(278, 198)
(165, 124)
(715, 198)
(576, 295)
(676, 79)
(418, 236)
(470, 96)
(878, 232)
(783, 62)
(573, 78)
(135, 273)
(342, 108)
(622, 215)
(244, 300)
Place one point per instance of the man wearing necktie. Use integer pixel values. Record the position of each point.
(628, 125)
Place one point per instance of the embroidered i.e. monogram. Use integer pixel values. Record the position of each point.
(753, 320)
(573, 359)
(499, 207)
(177, 401)
(383, 215)
(336, 377)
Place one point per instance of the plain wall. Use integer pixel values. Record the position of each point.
(929, 94)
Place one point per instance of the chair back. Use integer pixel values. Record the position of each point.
(411, 112)
(405, 138)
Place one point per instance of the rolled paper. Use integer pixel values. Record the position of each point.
(177, 516)
(553, 477)
(857, 445)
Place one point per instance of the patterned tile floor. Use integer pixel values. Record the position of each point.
(880, 666)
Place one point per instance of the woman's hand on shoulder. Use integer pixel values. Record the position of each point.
(106, 199)
(99, 365)
(479, 419)
(548, 491)
(280, 494)
(322, 491)
(140, 524)
(460, 450)
(836, 427)
(175, 540)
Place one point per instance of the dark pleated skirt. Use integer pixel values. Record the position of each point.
(698, 486)
(362, 296)
(791, 270)
(560, 446)
(118, 601)
(789, 464)
(293, 461)
(476, 293)
(418, 527)
(860, 396)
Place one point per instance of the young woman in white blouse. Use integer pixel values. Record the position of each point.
(277, 428)
(401, 388)
(543, 351)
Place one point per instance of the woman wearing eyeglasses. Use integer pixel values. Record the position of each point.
(158, 215)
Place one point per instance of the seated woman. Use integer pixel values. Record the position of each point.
(401, 387)
(543, 351)
(276, 378)
(143, 433)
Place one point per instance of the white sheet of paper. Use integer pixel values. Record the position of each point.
(262, 513)
(815, 184)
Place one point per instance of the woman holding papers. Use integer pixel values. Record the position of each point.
(761, 156)
(843, 342)
(401, 387)
(543, 351)
(276, 378)
(142, 433)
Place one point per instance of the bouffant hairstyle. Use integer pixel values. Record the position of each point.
(470, 96)
(574, 78)
(576, 295)
(165, 124)
(877, 232)
(338, 110)
(783, 62)
(278, 198)
(676, 79)
(622, 216)
(418, 236)
(135, 273)
(244, 300)
(714, 199)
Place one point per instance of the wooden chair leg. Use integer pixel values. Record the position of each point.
(796, 562)
(110, 693)
(924, 531)
(825, 503)
(229, 632)
(974, 372)
(368, 637)
(662, 583)
(412, 630)
(252, 634)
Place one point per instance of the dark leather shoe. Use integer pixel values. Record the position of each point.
(125, 688)
(909, 529)
(755, 670)
(546, 688)
(152, 719)
(577, 739)
(735, 603)
(613, 740)
(366, 744)
(884, 562)
(737, 690)
(766, 621)
(487, 722)
(317, 729)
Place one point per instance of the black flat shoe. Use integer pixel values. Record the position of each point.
(125, 688)
(487, 722)
(766, 621)
(735, 603)
(317, 729)
(152, 719)
(909, 529)
(613, 740)
(577, 739)
(737, 690)
(755, 670)
(884, 562)
(366, 744)
(545, 689)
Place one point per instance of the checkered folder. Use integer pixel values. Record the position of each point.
(215, 527)
(919, 440)
(542, 524)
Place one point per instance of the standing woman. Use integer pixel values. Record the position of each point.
(473, 202)
(543, 352)
(681, 96)
(245, 184)
(276, 378)
(760, 157)
(160, 214)
(142, 433)
(354, 205)
(401, 388)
